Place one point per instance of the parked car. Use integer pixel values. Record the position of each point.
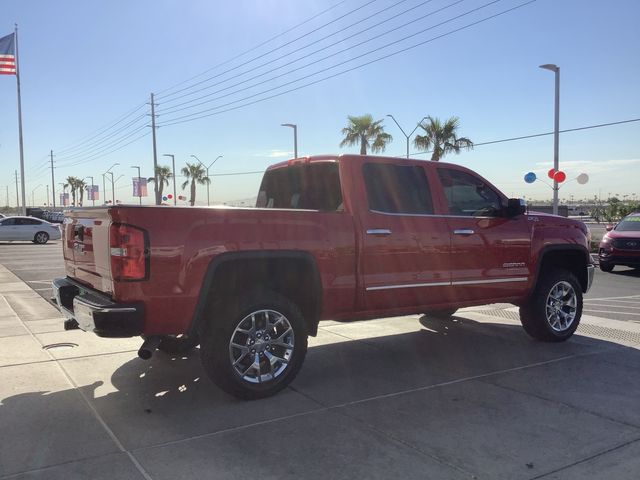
(332, 237)
(621, 244)
(28, 228)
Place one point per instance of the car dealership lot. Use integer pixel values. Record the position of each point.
(409, 397)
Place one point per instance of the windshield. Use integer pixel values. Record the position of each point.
(629, 224)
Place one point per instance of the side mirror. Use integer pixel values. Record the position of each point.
(608, 228)
(515, 207)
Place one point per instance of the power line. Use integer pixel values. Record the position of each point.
(104, 153)
(204, 114)
(98, 132)
(525, 137)
(97, 144)
(315, 42)
(254, 48)
(275, 49)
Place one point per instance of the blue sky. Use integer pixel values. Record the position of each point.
(85, 64)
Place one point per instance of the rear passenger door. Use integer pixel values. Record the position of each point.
(405, 248)
(490, 253)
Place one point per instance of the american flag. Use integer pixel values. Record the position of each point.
(8, 55)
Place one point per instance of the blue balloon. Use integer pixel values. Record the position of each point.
(530, 177)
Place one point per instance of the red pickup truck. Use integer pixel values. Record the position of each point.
(332, 237)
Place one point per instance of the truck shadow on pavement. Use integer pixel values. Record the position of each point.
(454, 366)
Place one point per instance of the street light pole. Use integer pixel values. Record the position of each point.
(403, 132)
(139, 192)
(93, 194)
(295, 137)
(207, 169)
(556, 130)
(173, 166)
(113, 192)
(33, 201)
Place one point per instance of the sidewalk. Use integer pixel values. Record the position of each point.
(409, 397)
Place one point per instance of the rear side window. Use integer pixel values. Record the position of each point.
(314, 186)
(27, 221)
(468, 195)
(397, 189)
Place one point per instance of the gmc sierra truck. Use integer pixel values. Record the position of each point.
(331, 237)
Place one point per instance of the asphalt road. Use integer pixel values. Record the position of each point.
(614, 295)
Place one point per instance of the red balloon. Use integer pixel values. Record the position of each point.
(551, 173)
(169, 196)
(559, 176)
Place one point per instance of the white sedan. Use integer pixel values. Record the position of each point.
(28, 228)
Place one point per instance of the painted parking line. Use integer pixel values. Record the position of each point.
(633, 306)
(609, 312)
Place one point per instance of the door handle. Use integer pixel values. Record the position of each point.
(379, 231)
(463, 231)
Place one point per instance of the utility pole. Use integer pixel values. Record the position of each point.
(104, 191)
(155, 152)
(7, 196)
(53, 183)
(48, 203)
(17, 200)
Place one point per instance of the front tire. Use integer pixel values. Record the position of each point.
(555, 307)
(255, 345)
(41, 238)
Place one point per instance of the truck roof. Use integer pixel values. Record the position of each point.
(340, 158)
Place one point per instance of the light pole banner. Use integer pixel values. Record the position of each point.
(139, 187)
(92, 192)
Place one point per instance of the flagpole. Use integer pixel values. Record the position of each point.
(24, 200)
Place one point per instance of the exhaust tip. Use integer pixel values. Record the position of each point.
(145, 354)
(148, 347)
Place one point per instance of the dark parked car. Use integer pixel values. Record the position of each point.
(621, 244)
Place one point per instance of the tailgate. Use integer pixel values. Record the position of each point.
(86, 247)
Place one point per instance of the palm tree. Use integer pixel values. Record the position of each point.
(365, 132)
(80, 185)
(441, 138)
(72, 182)
(196, 174)
(164, 174)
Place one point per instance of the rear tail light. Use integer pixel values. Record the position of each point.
(129, 251)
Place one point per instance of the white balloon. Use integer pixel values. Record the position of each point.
(582, 178)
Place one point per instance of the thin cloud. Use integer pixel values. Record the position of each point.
(274, 154)
(589, 166)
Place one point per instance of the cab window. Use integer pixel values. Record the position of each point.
(468, 195)
(314, 186)
(397, 189)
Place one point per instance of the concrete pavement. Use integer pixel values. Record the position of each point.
(408, 397)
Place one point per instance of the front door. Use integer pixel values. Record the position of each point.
(405, 248)
(490, 253)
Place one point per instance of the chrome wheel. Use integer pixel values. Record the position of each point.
(561, 306)
(41, 237)
(261, 346)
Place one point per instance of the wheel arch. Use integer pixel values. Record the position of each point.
(574, 258)
(293, 274)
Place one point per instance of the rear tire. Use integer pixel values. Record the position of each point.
(254, 345)
(178, 344)
(41, 238)
(555, 307)
(445, 313)
(606, 267)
